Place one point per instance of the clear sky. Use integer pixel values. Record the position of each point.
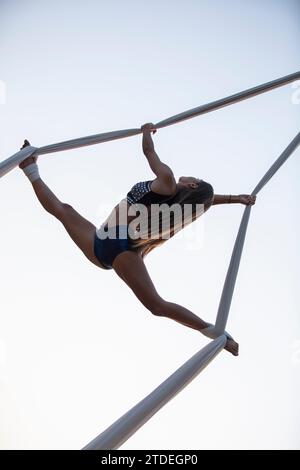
(77, 349)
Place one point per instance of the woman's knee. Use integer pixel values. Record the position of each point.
(157, 307)
(66, 207)
(62, 210)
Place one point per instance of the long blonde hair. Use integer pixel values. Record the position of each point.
(201, 195)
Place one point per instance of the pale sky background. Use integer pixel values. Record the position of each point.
(77, 349)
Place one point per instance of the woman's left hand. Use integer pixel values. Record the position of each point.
(247, 199)
(149, 126)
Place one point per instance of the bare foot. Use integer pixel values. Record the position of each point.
(28, 160)
(232, 346)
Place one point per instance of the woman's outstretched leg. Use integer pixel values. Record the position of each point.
(80, 230)
(131, 268)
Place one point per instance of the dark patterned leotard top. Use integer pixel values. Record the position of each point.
(141, 193)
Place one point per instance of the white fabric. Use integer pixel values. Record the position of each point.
(228, 288)
(32, 172)
(211, 332)
(120, 431)
(114, 436)
(13, 161)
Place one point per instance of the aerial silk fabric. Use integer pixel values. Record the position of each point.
(123, 428)
(114, 436)
(10, 163)
(232, 272)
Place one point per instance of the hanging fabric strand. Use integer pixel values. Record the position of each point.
(114, 436)
(10, 163)
(123, 428)
(232, 272)
(128, 424)
(243, 95)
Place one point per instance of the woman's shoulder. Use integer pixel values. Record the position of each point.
(163, 190)
(142, 185)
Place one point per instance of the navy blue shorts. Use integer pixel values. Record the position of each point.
(107, 249)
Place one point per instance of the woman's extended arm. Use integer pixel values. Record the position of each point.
(246, 199)
(165, 178)
(148, 145)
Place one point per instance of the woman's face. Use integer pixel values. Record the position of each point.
(189, 181)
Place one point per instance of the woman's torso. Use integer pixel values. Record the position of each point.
(140, 193)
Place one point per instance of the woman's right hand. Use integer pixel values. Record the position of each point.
(28, 160)
(149, 126)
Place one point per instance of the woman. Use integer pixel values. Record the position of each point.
(113, 246)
